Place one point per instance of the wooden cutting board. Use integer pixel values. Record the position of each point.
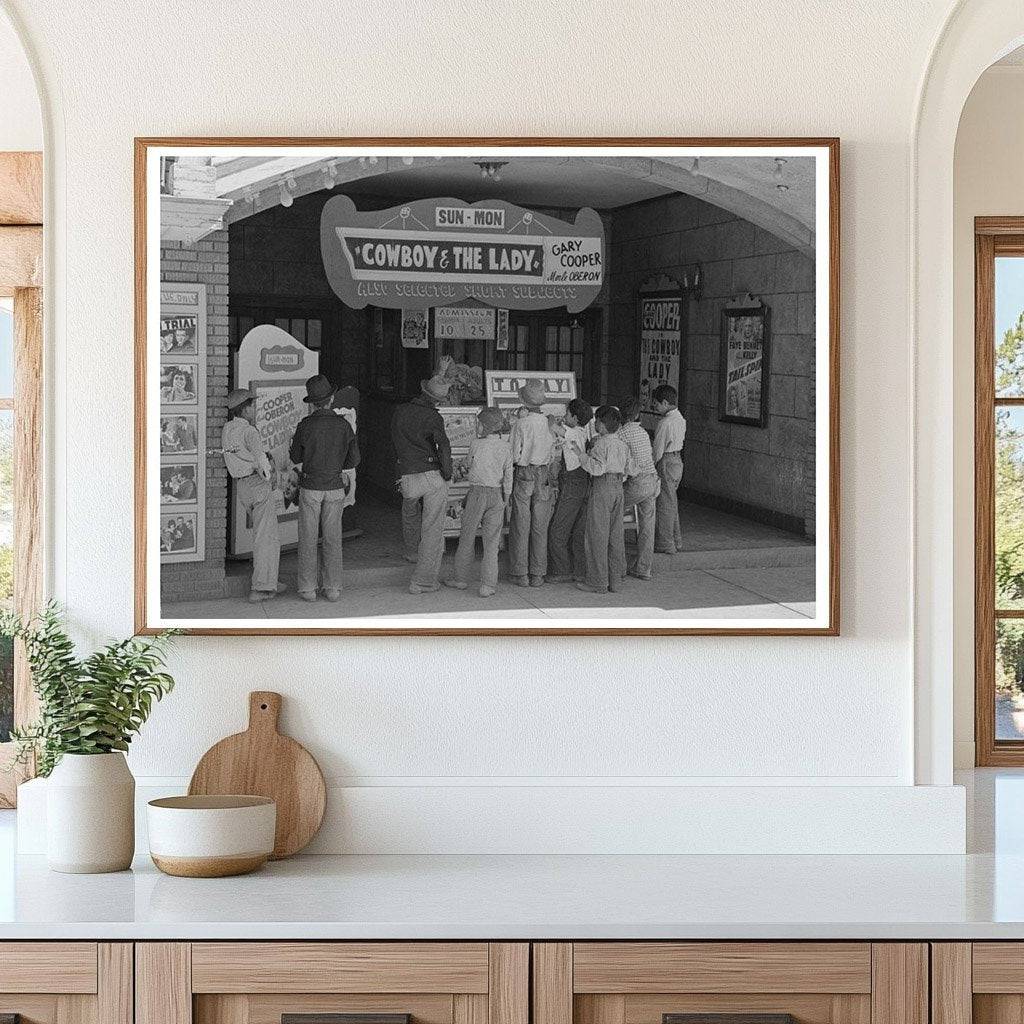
(262, 762)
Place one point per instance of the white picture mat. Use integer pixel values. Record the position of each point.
(822, 157)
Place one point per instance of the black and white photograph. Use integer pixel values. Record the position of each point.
(178, 484)
(178, 533)
(579, 387)
(178, 335)
(178, 384)
(179, 434)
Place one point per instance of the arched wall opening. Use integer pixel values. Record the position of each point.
(976, 34)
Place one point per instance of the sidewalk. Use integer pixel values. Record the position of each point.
(730, 568)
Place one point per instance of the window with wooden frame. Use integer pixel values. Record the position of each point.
(21, 368)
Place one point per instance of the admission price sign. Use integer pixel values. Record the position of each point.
(471, 323)
(439, 252)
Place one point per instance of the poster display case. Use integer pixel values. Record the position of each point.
(182, 375)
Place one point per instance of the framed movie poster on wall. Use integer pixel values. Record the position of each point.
(504, 300)
(744, 366)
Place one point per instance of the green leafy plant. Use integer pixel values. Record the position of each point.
(90, 705)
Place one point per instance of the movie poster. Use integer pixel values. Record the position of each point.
(743, 369)
(414, 328)
(661, 340)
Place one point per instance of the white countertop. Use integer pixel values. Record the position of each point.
(531, 897)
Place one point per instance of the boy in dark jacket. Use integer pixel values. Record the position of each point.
(424, 469)
(324, 445)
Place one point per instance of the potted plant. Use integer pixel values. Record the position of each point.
(89, 710)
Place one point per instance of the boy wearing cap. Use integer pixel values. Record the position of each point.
(608, 463)
(490, 487)
(424, 468)
(533, 450)
(247, 464)
(324, 446)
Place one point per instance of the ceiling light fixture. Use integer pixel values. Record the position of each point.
(285, 190)
(407, 160)
(695, 166)
(491, 168)
(780, 162)
(330, 174)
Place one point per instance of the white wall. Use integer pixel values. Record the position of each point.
(21, 125)
(988, 181)
(390, 714)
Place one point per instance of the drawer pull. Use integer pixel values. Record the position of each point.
(728, 1018)
(340, 1018)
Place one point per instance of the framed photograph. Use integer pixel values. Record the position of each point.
(178, 335)
(178, 384)
(453, 272)
(178, 533)
(179, 434)
(178, 483)
(744, 367)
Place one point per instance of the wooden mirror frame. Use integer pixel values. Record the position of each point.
(21, 269)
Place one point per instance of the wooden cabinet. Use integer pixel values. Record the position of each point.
(815, 982)
(979, 982)
(66, 982)
(259, 982)
(494, 983)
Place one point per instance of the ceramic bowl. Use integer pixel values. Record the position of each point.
(211, 836)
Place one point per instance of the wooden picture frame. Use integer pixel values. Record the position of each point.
(736, 403)
(822, 245)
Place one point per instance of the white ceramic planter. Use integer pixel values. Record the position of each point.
(90, 814)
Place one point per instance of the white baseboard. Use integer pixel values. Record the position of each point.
(600, 819)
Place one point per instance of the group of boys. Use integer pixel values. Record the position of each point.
(566, 484)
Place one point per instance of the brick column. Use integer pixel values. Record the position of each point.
(205, 262)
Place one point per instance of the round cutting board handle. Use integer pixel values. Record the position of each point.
(264, 710)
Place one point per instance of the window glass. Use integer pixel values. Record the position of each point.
(1009, 507)
(6, 351)
(1009, 327)
(6, 567)
(1009, 679)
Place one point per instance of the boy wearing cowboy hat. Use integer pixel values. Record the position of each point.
(533, 450)
(490, 486)
(424, 457)
(247, 464)
(324, 446)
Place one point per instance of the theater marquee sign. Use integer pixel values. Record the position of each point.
(434, 252)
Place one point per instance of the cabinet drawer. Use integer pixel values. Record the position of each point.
(261, 982)
(749, 982)
(48, 967)
(340, 967)
(634, 967)
(66, 982)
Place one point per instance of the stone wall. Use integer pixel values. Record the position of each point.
(766, 472)
(205, 262)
